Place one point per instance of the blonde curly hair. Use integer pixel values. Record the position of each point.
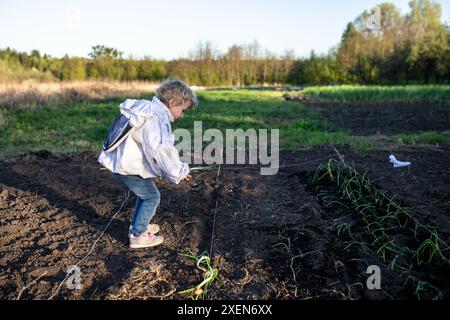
(176, 90)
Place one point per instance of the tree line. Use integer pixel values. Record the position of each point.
(380, 46)
(414, 48)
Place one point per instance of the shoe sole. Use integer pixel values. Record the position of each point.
(140, 246)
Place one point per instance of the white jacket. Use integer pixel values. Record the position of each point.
(149, 150)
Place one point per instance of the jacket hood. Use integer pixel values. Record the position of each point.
(161, 109)
(137, 111)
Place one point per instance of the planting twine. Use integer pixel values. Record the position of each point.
(210, 273)
(215, 213)
(204, 168)
(92, 248)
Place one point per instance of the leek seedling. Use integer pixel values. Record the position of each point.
(209, 275)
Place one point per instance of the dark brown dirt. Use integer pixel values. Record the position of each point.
(384, 118)
(53, 207)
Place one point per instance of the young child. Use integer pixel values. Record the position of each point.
(149, 152)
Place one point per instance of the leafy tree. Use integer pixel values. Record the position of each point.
(100, 51)
(428, 41)
(72, 69)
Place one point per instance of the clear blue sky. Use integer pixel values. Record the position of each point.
(170, 29)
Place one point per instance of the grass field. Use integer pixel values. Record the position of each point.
(76, 126)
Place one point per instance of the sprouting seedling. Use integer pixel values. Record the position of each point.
(209, 275)
(344, 227)
(431, 246)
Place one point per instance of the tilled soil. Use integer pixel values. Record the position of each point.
(272, 238)
(366, 118)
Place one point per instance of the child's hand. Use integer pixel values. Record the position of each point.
(188, 177)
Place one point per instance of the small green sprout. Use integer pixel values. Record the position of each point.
(209, 275)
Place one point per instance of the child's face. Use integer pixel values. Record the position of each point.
(177, 110)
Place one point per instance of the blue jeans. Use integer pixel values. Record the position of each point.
(148, 198)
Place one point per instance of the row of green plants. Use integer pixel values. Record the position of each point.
(385, 227)
(380, 93)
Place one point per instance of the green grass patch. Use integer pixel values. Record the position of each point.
(432, 137)
(82, 126)
(74, 127)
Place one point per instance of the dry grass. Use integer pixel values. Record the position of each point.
(29, 94)
(150, 281)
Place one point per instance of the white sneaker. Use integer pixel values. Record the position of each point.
(151, 228)
(145, 240)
